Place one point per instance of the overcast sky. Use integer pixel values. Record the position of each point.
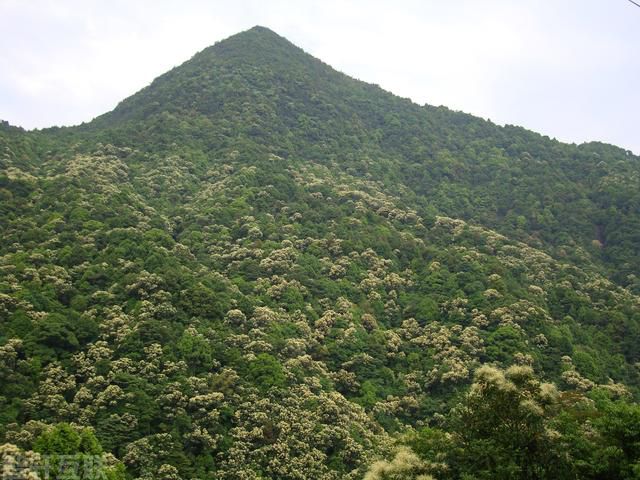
(569, 69)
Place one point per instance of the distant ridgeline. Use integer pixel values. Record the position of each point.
(259, 268)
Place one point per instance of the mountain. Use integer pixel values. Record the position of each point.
(258, 267)
(571, 202)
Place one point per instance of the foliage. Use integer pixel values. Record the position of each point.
(257, 267)
(511, 426)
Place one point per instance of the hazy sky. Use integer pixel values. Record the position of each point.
(567, 68)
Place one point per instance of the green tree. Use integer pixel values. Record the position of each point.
(501, 429)
(73, 453)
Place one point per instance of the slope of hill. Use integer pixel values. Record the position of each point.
(258, 267)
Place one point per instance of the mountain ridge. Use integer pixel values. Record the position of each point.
(258, 32)
(235, 79)
(288, 103)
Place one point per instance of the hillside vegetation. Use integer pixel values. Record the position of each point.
(258, 267)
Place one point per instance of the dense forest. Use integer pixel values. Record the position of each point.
(260, 268)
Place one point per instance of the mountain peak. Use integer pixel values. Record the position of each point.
(255, 59)
(258, 30)
(257, 33)
(258, 45)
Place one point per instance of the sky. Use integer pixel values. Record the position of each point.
(569, 69)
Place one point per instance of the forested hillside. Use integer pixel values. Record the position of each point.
(258, 267)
